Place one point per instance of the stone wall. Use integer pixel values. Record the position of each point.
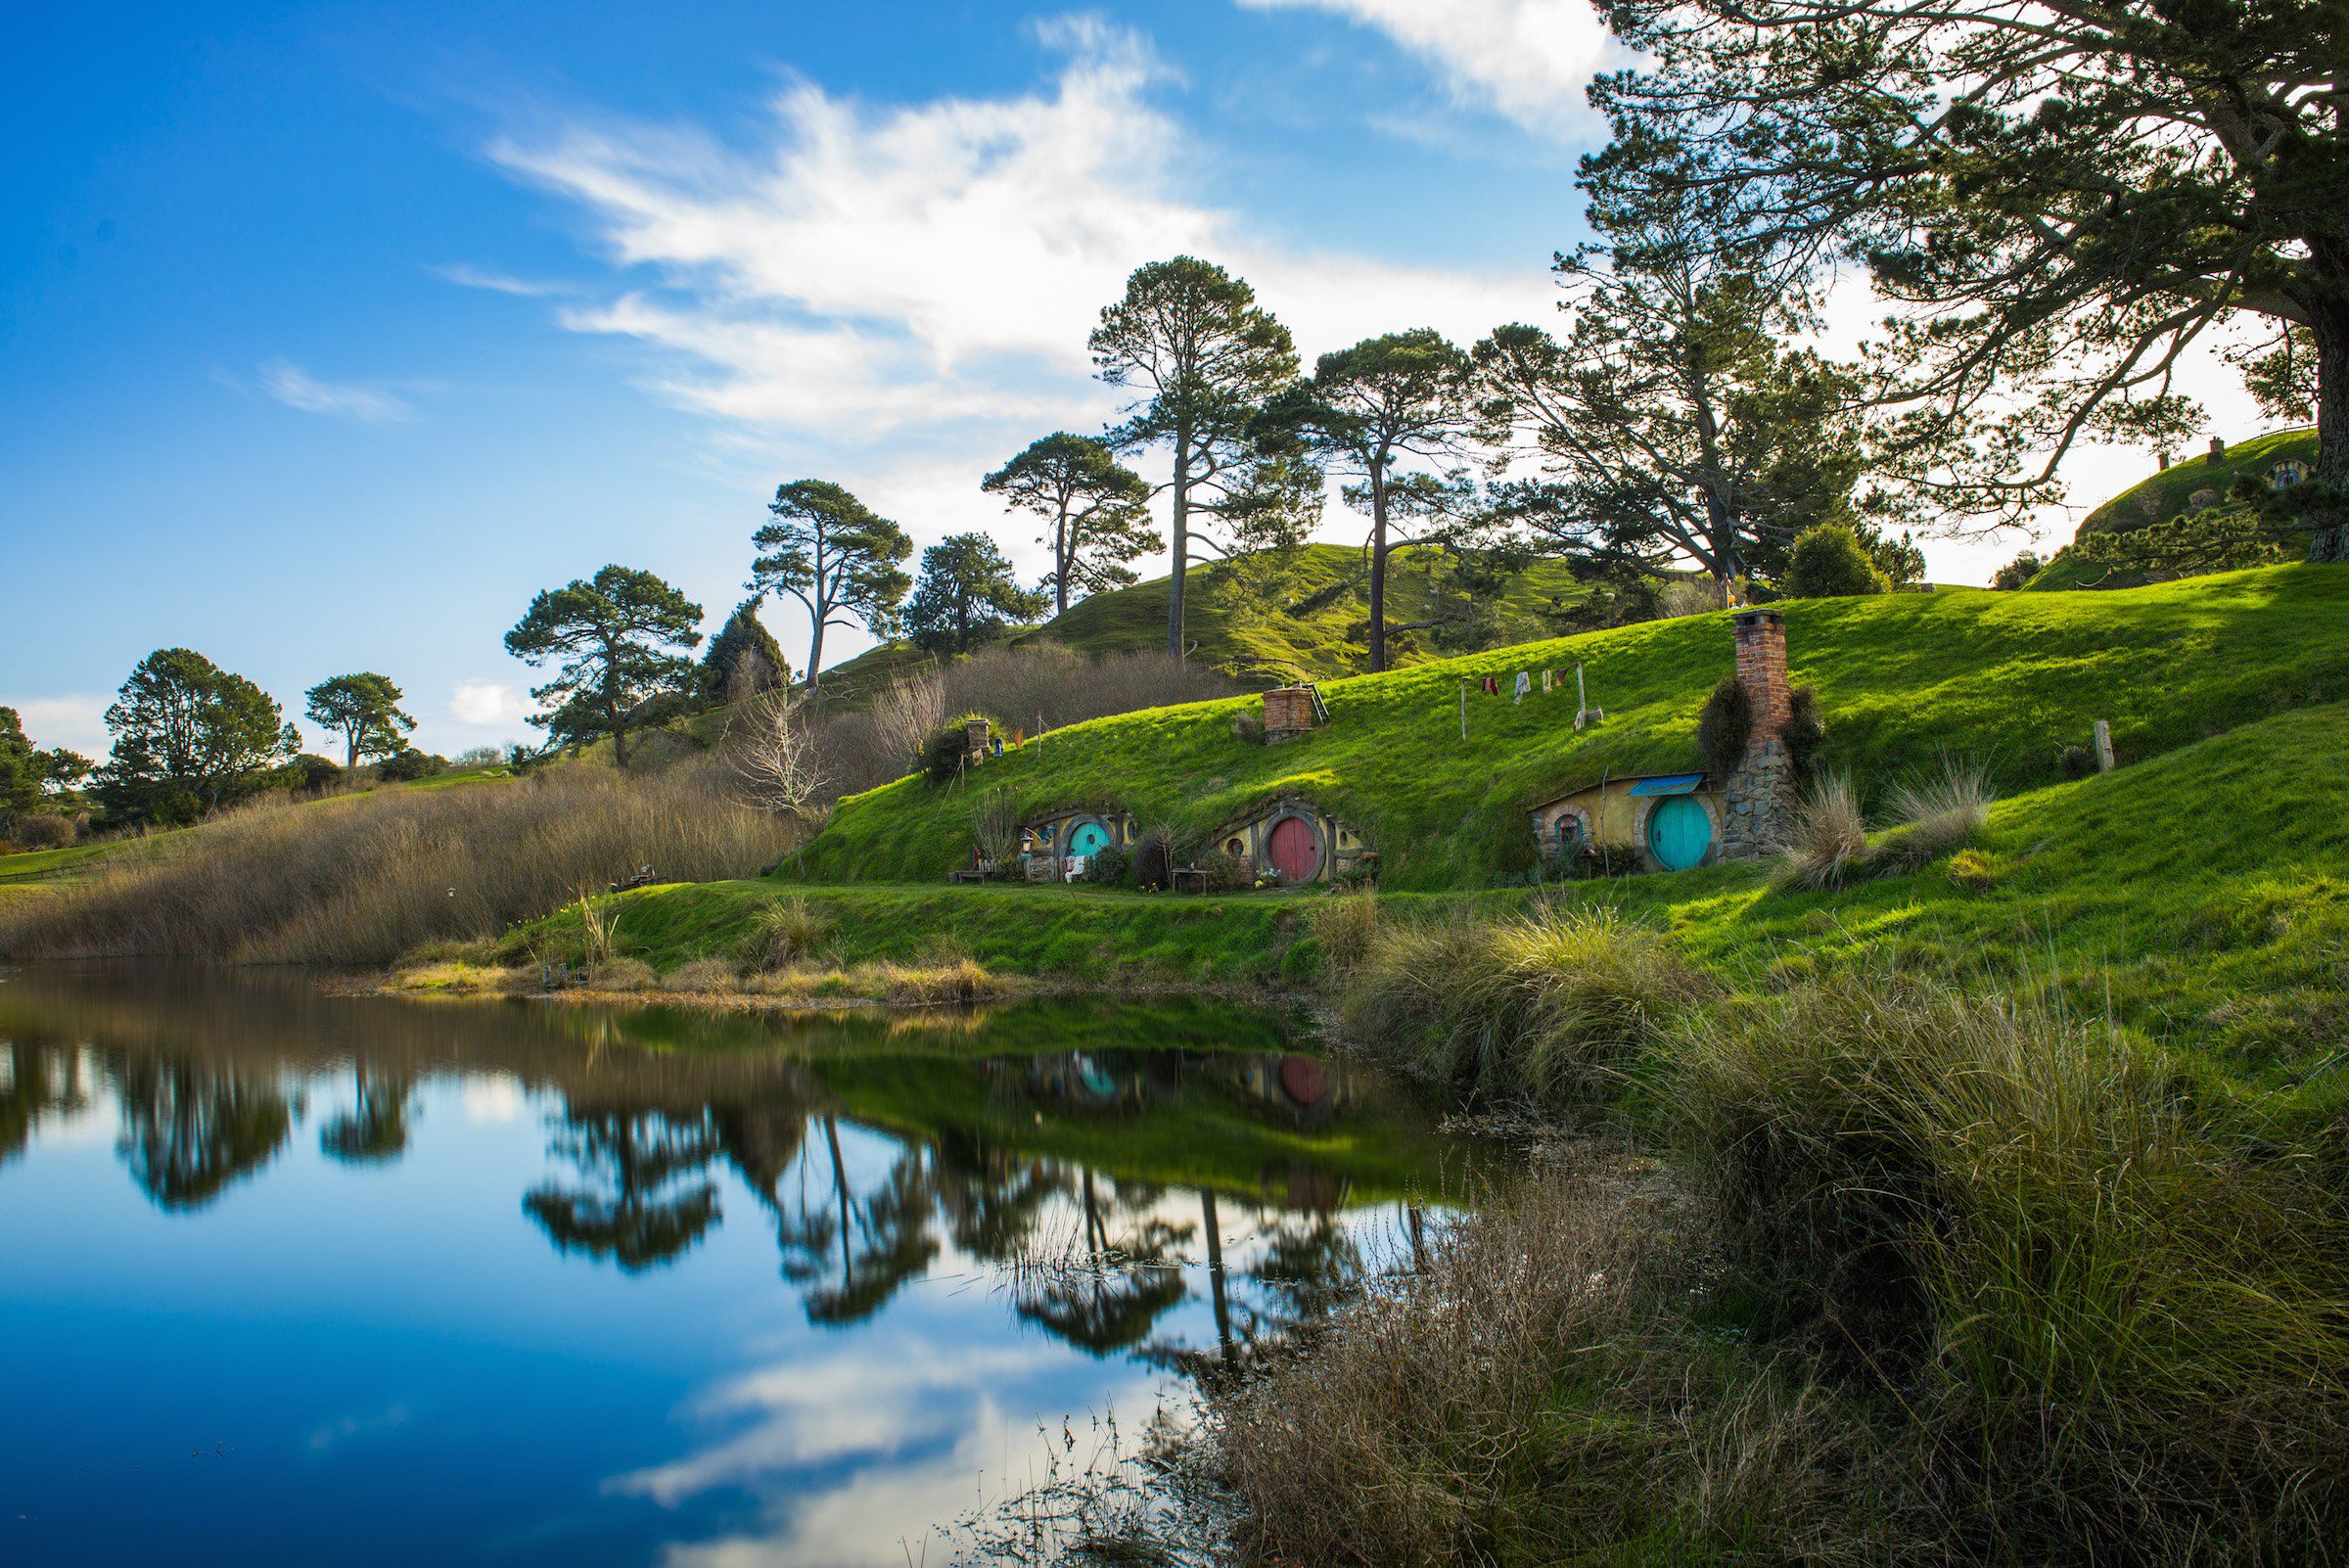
(1758, 798)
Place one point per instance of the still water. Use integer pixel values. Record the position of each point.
(293, 1278)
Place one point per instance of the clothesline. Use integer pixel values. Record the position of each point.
(1522, 685)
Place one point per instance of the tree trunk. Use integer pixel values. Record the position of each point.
(1060, 563)
(1181, 538)
(1215, 1270)
(815, 654)
(620, 738)
(2329, 539)
(350, 752)
(1378, 573)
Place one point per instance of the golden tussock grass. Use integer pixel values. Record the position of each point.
(363, 880)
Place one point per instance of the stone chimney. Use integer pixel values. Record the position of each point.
(974, 739)
(1758, 798)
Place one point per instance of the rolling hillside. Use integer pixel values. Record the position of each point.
(2006, 679)
(2172, 493)
(1300, 638)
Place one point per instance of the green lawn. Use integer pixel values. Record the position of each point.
(2006, 679)
(2202, 898)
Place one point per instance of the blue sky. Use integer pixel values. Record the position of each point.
(331, 333)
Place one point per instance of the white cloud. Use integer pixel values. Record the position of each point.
(899, 297)
(1528, 59)
(488, 704)
(297, 387)
(465, 275)
(864, 271)
(75, 721)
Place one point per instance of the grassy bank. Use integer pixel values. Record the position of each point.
(361, 879)
(2006, 679)
(2202, 899)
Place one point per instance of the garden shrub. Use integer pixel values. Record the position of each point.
(1828, 561)
(405, 767)
(1108, 865)
(313, 773)
(1805, 731)
(946, 752)
(43, 830)
(1826, 841)
(1723, 727)
(1153, 862)
(784, 933)
(2076, 762)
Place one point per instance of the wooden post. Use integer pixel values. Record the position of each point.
(2103, 746)
(1463, 708)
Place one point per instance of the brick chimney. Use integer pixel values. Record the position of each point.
(1758, 797)
(974, 739)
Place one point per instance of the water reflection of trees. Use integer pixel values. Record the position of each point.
(190, 1127)
(1102, 1189)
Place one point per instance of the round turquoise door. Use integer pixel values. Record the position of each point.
(1090, 838)
(1679, 833)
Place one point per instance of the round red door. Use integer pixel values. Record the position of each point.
(1294, 849)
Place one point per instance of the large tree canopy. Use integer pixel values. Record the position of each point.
(616, 639)
(2060, 195)
(1673, 429)
(1202, 356)
(836, 556)
(364, 710)
(189, 737)
(1368, 411)
(1096, 508)
(967, 595)
(30, 775)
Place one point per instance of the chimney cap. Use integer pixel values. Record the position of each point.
(1758, 617)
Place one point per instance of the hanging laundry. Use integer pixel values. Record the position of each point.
(1525, 684)
(1491, 686)
(1548, 678)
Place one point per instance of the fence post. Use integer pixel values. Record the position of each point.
(2103, 746)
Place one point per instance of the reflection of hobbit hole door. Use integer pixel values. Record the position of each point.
(1678, 832)
(1294, 848)
(1088, 838)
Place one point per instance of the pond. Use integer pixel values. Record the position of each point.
(293, 1278)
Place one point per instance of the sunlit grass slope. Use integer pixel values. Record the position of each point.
(2005, 679)
(2166, 495)
(2200, 898)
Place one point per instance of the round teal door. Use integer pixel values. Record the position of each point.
(1090, 838)
(1679, 833)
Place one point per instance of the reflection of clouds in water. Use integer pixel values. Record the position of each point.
(491, 1099)
(883, 1513)
(340, 1430)
(881, 1403)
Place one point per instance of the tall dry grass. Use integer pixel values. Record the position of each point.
(1532, 1394)
(366, 879)
(1544, 1010)
(2117, 1337)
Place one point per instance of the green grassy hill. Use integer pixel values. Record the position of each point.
(1300, 638)
(2005, 679)
(2170, 493)
(2199, 897)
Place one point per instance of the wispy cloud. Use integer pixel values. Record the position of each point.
(468, 276)
(297, 387)
(1530, 60)
(859, 272)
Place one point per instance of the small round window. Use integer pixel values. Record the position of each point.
(1235, 846)
(1570, 831)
